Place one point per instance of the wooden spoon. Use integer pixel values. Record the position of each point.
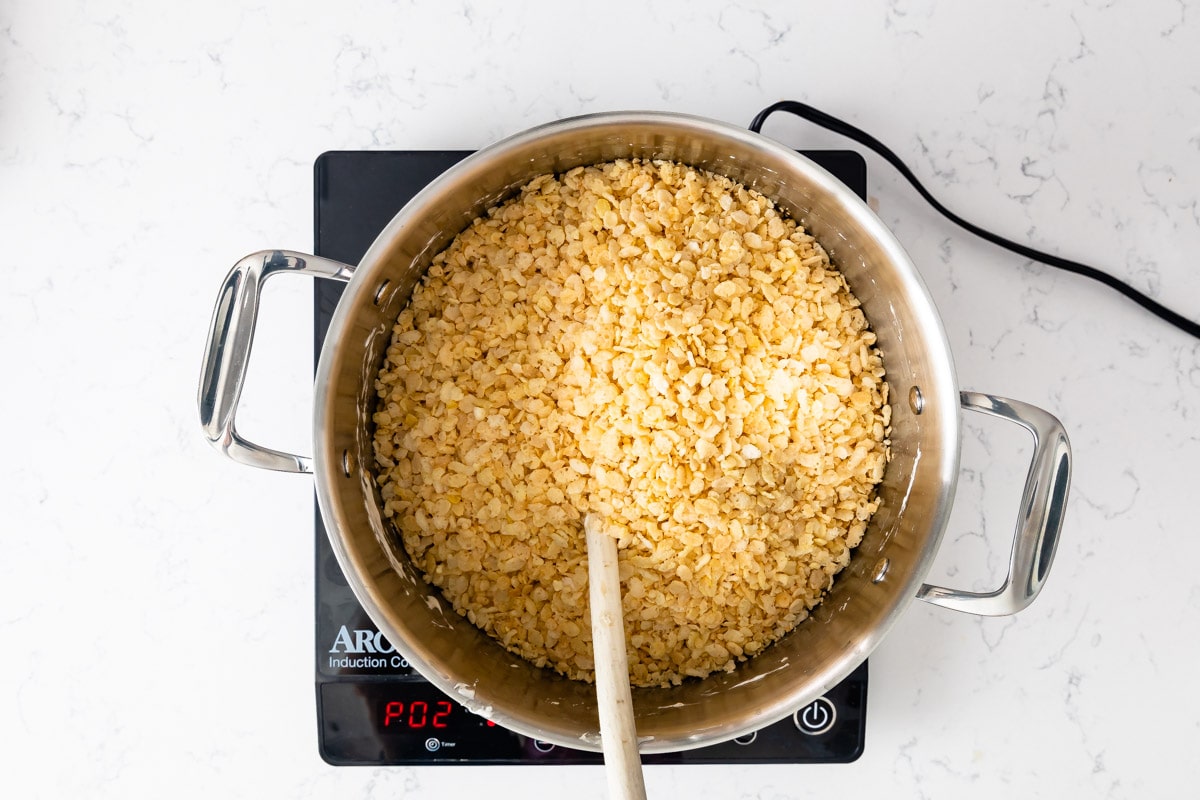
(618, 733)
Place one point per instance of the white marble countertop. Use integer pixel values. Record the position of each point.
(156, 599)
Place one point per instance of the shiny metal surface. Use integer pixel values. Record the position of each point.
(230, 337)
(865, 600)
(916, 491)
(1039, 519)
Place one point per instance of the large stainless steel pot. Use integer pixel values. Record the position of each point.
(889, 566)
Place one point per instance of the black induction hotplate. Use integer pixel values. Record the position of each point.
(372, 707)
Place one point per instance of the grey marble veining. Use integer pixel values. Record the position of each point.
(155, 600)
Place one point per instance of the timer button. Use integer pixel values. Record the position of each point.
(542, 747)
(747, 739)
(815, 718)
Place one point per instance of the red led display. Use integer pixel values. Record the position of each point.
(417, 715)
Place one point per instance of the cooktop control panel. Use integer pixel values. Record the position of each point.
(406, 720)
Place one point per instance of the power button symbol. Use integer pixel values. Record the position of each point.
(815, 718)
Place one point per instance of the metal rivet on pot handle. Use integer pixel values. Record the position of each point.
(1039, 520)
(230, 336)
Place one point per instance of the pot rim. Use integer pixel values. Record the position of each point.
(328, 465)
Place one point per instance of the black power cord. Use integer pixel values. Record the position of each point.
(818, 117)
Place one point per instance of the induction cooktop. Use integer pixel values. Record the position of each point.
(373, 708)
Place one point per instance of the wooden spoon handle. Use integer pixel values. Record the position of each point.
(618, 733)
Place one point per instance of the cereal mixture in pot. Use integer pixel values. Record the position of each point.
(663, 347)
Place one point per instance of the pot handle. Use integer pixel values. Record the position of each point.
(230, 336)
(1039, 521)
